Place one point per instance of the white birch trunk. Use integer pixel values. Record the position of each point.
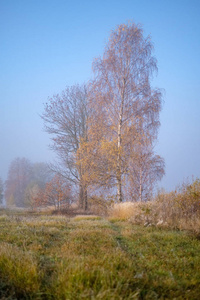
(119, 171)
(140, 185)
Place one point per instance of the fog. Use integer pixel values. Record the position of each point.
(47, 45)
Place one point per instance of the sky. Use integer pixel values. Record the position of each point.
(50, 44)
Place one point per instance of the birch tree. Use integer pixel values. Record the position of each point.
(122, 95)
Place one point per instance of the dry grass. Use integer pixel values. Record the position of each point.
(124, 211)
(177, 210)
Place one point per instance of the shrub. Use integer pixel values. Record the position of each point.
(99, 205)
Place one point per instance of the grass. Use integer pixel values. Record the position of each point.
(54, 257)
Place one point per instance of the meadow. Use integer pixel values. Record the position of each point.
(91, 257)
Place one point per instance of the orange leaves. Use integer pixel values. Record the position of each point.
(56, 192)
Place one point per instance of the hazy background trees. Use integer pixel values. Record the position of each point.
(24, 181)
(19, 175)
(40, 176)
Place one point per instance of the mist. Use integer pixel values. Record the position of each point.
(46, 48)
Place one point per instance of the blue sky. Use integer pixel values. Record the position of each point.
(47, 45)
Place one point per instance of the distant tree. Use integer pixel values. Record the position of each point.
(65, 119)
(56, 193)
(41, 174)
(31, 193)
(19, 176)
(1, 191)
(38, 198)
(122, 102)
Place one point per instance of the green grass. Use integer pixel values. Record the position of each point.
(54, 257)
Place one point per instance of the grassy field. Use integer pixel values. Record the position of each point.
(54, 257)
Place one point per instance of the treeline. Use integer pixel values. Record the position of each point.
(104, 132)
(33, 185)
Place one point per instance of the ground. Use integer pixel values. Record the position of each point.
(56, 257)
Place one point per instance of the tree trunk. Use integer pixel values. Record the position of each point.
(140, 185)
(83, 200)
(119, 171)
(119, 188)
(81, 195)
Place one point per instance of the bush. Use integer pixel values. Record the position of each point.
(99, 205)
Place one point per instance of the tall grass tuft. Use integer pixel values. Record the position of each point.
(19, 268)
(124, 210)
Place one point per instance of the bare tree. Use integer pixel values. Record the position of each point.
(65, 118)
(122, 98)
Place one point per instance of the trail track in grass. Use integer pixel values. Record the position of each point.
(89, 257)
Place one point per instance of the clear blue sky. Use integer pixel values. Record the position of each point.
(47, 45)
